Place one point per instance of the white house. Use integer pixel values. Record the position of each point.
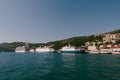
(93, 49)
(90, 48)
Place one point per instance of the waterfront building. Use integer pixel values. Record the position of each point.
(32, 50)
(109, 45)
(93, 49)
(87, 43)
(101, 46)
(111, 38)
(98, 43)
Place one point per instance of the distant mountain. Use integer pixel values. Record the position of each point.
(75, 41)
(10, 47)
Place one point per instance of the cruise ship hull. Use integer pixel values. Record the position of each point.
(72, 51)
(20, 51)
(115, 52)
(94, 52)
(44, 51)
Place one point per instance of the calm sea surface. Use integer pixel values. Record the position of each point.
(38, 66)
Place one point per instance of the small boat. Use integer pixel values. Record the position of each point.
(105, 51)
(115, 52)
(94, 52)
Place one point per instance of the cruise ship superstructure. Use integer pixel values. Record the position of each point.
(71, 49)
(44, 49)
(22, 49)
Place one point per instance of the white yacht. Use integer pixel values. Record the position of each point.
(44, 49)
(94, 52)
(105, 51)
(115, 52)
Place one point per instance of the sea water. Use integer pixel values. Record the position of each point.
(55, 66)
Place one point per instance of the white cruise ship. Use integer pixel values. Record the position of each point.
(71, 49)
(21, 49)
(44, 49)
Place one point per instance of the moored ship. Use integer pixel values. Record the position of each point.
(94, 52)
(71, 49)
(105, 51)
(21, 49)
(44, 49)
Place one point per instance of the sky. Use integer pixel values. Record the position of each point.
(39, 21)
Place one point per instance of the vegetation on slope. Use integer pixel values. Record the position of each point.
(115, 32)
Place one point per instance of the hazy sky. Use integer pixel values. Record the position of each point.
(50, 20)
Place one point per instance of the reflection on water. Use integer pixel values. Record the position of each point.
(64, 66)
